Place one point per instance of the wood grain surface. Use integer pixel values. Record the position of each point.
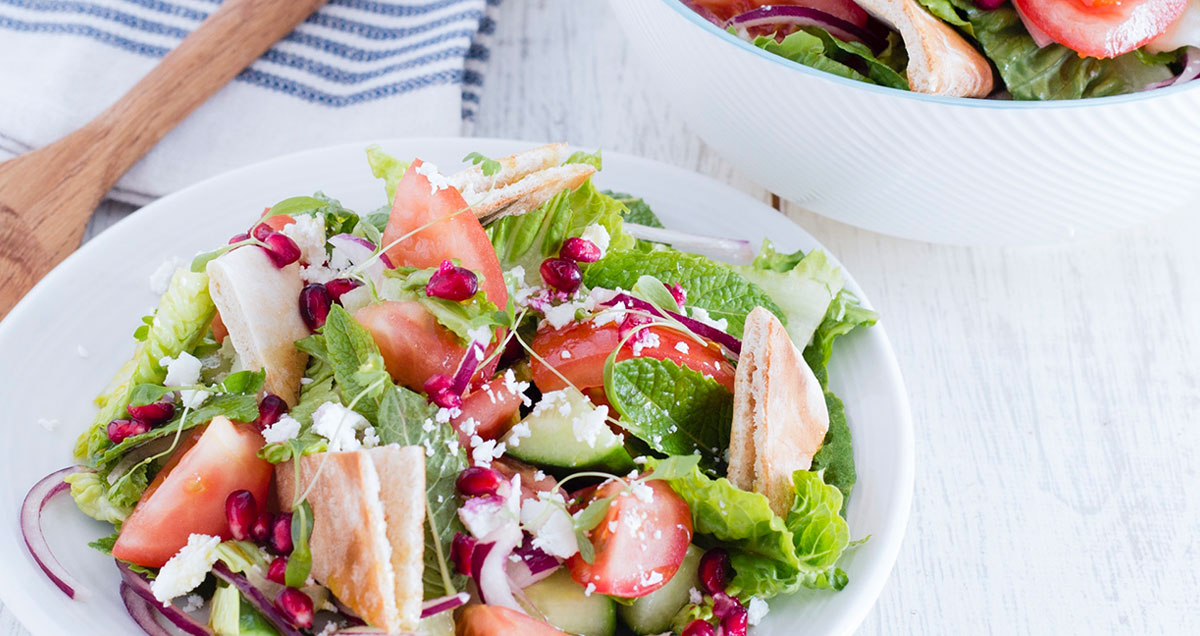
(1055, 390)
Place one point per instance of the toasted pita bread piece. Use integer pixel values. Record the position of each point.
(779, 412)
(368, 540)
(258, 304)
(940, 61)
(525, 181)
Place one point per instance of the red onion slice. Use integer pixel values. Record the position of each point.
(488, 567)
(466, 368)
(255, 597)
(139, 585)
(359, 250)
(735, 251)
(695, 326)
(142, 612)
(775, 16)
(445, 603)
(48, 488)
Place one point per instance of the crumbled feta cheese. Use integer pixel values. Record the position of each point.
(516, 433)
(589, 425)
(427, 425)
(49, 424)
(565, 355)
(642, 491)
(650, 578)
(538, 475)
(695, 597)
(160, 280)
(317, 274)
(436, 180)
(185, 371)
(484, 451)
(516, 388)
(330, 628)
(701, 314)
(83, 353)
(305, 381)
(645, 339)
(481, 334)
(614, 314)
(547, 521)
(281, 431)
(756, 611)
(371, 438)
(598, 235)
(192, 603)
(308, 232)
(186, 570)
(468, 426)
(339, 425)
(591, 587)
(444, 415)
(681, 347)
(562, 315)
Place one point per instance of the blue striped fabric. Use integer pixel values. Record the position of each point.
(349, 52)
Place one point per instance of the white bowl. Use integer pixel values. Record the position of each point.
(94, 299)
(947, 170)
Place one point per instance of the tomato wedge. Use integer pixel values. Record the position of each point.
(493, 408)
(639, 544)
(188, 495)
(1102, 28)
(578, 352)
(453, 234)
(414, 346)
(493, 620)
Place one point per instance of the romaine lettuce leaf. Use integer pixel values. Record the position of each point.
(183, 317)
(89, 491)
(386, 167)
(673, 409)
(530, 238)
(819, 532)
(710, 285)
(802, 285)
(637, 210)
(845, 314)
(460, 317)
(815, 47)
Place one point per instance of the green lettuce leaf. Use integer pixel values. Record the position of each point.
(460, 317)
(403, 418)
(845, 314)
(710, 285)
(386, 167)
(235, 406)
(89, 490)
(802, 285)
(815, 47)
(819, 532)
(182, 319)
(357, 364)
(836, 455)
(587, 158)
(528, 239)
(636, 209)
(673, 409)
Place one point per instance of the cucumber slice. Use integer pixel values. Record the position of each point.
(565, 430)
(652, 613)
(566, 606)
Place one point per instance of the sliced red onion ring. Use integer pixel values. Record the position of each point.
(466, 368)
(36, 499)
(259, 600)
(774, 16)
(488, 567)
(734, 251)
(695, 326)
(142, 612)
(445, 603)
(1191, 70)
(358, 250)
(139, 585)
(533, 566)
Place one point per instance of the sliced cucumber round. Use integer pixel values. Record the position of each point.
(652, 613)
(565, 430)
(567, 606)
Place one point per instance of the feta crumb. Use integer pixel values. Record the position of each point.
(186, 570)
(50, 424)
(339, 425)
(281, 431)
(468, 426)
(645, 339)
(308, 232)
(551, 527)
(427, 425)
(317, 274)
(192, 603)
(562, 315)
(681, 347)
(701, 314)
(590, 425)
(444, 415)
(484, 452)
(642, 491)
(160, 280)
(565, 355)
(305, 381)
(591, 587)
(757, 610)
(83, 353)
(184, 370)
(538, 475)
(436, 180)
(598, 235)
(516, 433)
(650, 578)
(614, 314)
(481, 334)
(695, 597)
(371, 438)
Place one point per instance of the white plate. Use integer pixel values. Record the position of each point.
(95, 298)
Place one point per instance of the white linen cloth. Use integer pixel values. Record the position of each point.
(355, 70)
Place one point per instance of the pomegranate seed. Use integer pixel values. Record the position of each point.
(478, 480)
(152, 414)
(262, 231)
(281, 534)
(238, 238)
(580, 250)
(119, 430)
(315, 302)
(561, 274)
(282, 250)
(296, 606)
(240, 511)
(735, 623)
(260, 530)
(725, 605)
(699, 627)
(461, 551)
(278, 570)
(339, 286)
(679, 294)
(714, 570)
(452, 283)
(270, 409)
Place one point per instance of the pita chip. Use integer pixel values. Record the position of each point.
(525, 181)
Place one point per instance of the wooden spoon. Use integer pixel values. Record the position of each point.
(48, 195)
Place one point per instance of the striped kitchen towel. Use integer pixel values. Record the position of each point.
(355, 70)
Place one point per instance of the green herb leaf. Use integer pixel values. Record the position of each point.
(710, 285)
(460, 317)
(815, 47)
(636, 209)
(674, 467)
(244, 382)
(652, 290)
(239, 408)
(143, 394)
(487, 165)
(836, 456)
(295, 206)
(105, 544)
(356, 362)
(673, 409)
(299, 563)
(593, 514)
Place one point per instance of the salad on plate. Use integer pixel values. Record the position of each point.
(1022, 50)
(504, 402)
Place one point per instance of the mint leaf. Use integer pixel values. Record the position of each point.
(244, 382)
(836, 456)
(487, 165)
(673, 409)
(403, 418)
(710, 285)
(236, 407)
(802, 285)
(356, 361)
(294, 206)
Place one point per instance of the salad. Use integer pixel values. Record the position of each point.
(1023, 50)
(505, 402)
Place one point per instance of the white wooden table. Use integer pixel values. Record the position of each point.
(1055, 390)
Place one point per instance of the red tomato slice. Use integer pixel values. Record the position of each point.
(1102, 28)
(844, 9)
(450, 237)
(494, 411)
(188, 495)
(414, 346)
(278, 222)
(493, 620)
(220, 331)
(533, 480)
(587, 347)
(639, 544)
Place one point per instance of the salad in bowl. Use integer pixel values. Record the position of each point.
(1023, 50)
(504, 402)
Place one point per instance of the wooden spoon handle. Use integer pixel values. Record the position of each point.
(225, 43)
